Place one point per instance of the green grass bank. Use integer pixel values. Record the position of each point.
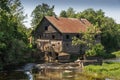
(107, 70)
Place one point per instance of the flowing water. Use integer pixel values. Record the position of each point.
(49, 74)
(44, 74)
(112, 60)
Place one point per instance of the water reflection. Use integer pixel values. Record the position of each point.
(55, 75)
(13, 75)
(51, 74)
(47, 73)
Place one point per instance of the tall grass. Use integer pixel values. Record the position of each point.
(107, 70)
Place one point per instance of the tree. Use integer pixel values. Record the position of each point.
(39, 12)
(89, 42)
(95, 17)
(109, 29)
(12, 40)
(63, 13)
(70, 13)
(110, 34)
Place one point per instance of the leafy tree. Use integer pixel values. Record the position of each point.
(70, 13)
(95, 17)
(109, 29)
(96, 50)
(90, 42)
(12, 40)
(39, 12)
(63, 13)
(110, 34)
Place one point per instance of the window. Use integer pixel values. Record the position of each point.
(44, 35)
(67, 37)
(40, 36)
(67, 44)
(53, 36)
(77, 35)
(46, 27)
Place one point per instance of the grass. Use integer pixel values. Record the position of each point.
(107, 70)
(117, 53)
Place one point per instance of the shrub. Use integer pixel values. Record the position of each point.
(97, 50)
(107, 56)
(110, 70)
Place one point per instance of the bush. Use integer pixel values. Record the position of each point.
(97, 50)
(107, 56)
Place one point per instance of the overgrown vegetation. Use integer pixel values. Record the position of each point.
(90, 42)
(110, 37)
(107, 70)
(13, 38)
(109, 29)
(39, 12)
(116, 53)
(14, 45)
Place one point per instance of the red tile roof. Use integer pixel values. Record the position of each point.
(69, 25)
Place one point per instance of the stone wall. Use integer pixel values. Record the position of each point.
(50, 45)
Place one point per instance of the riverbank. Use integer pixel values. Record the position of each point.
(110, 70)
(107, 70)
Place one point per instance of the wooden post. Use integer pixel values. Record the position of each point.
(80, 63)
(46, 57)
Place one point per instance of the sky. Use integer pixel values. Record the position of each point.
(110, 7)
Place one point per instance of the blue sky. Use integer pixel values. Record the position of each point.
(110, 7)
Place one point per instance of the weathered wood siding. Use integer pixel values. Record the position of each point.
(47, 35)
(69, 48)
(67, 43)
(46, 30)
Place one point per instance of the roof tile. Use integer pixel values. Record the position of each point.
(69, 25)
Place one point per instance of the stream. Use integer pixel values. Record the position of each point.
(28, 70)
(26, 73)
(112, 60)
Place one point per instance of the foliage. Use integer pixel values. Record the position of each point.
(95, 17)
(97, 50)
(117, 53)
(13, 41)
(111, 70)
(63, 13)
(39, 12)
(16, 52)
(110, 37)
(69, 13)
(89, 41)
